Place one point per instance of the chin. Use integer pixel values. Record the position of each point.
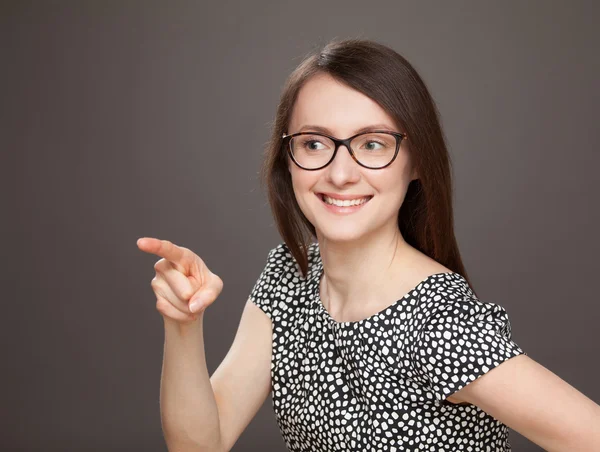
(333, 233)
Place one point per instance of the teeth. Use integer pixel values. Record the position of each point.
(346, 203)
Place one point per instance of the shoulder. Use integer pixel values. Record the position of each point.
(468, 316)
(280, 260)
(281, 280)
(446, 300)
(444, 289)
(280, 257)
(280, 254)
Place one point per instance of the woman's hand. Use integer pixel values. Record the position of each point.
(184, 286)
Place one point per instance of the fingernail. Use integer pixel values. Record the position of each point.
(195, 305)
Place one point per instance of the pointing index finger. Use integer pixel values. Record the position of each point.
(180, 257)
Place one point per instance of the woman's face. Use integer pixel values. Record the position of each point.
(327, 103)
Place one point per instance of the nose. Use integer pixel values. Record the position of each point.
(343, 168)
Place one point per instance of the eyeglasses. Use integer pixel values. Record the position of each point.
(373, 150)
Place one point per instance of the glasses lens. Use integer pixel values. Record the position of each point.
(374, 149)
(312, 151)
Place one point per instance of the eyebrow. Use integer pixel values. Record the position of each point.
(314, 128)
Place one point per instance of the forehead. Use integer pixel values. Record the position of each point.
(329, 103)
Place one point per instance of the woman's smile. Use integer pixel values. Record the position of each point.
(343, 204)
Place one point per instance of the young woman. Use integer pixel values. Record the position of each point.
(370, 338)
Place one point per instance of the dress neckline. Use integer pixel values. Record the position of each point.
(355, 323)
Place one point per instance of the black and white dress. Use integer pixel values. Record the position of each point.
(380, 383)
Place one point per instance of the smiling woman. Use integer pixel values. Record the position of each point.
(379, 340)
(363, 325)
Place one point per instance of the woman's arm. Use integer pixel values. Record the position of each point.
(189, 414)
(242, 381)
(535, 402)
(199, 413)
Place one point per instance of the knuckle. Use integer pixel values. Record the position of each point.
(159, 265)
(158, 287)
(219, 283)
(162, 306)
(155, 283)
(216, 284)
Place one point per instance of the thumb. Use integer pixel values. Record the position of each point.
(206, 295)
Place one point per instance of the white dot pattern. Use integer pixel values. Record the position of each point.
(380, 383)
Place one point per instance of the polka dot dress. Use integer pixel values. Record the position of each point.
(379, 384)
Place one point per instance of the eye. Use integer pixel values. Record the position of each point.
(374, 143)
(370, 142)
(314, 143)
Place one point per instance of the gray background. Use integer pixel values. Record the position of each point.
(125, 119)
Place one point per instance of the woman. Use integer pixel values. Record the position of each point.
(371, 338)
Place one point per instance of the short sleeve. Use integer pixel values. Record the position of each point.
(461, 341)
(264, 288)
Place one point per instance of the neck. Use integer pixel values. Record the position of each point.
(357, 276)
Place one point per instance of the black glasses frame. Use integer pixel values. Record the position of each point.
(287, 139)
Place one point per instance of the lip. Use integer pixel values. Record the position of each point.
(342, 197)
(343, 210)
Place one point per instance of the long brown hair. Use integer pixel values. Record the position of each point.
(425, 219)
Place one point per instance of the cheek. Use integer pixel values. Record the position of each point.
(302, 180)
(297, 184)
(303, 183)
(392, 185)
